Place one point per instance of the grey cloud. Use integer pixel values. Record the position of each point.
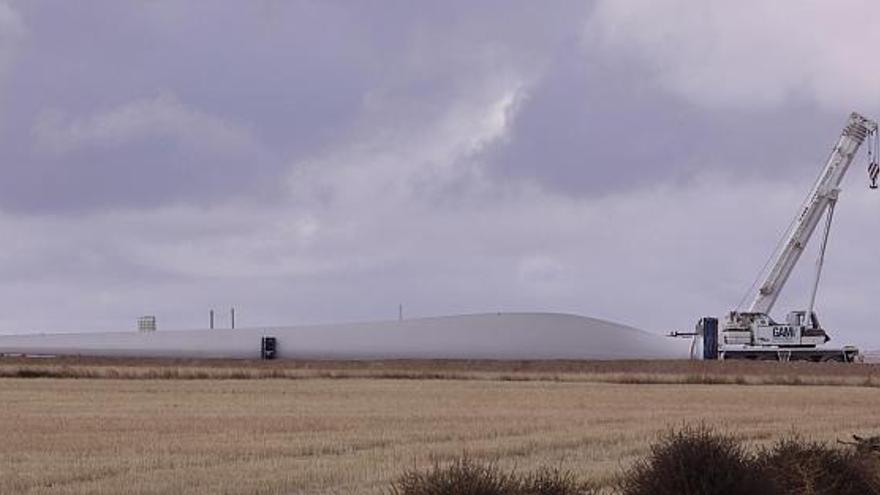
(323, 162)
(300, 77)
(12, 30)
(162, 117)
(12, 33)
(595, 125)
(143, 153)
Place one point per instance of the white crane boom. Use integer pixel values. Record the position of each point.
(822, 197)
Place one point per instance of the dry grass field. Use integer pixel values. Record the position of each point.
(128, 427)
(632, 372)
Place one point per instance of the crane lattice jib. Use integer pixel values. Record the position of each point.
(823, 195)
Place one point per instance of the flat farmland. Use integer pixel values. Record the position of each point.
(135, 427)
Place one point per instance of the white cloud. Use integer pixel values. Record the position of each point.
(159, 117)
(388, 163)
(749, 53)
(656, 257)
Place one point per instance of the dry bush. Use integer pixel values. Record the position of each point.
(690, 461)
(552, 481)
(466, 477)
(462, 477)
(794, 466)
(701, 461)
(694, 461)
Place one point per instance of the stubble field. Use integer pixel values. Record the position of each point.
(135, 427)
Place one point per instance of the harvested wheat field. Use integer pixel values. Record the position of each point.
(323, 434)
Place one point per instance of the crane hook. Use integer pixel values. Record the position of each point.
(873, 165)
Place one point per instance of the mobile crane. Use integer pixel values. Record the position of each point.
(753, 334)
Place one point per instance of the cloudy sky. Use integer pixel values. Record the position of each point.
(321, 161)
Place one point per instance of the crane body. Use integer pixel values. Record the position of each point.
(752, 333)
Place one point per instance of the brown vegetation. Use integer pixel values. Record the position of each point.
(694, 460)
(467, 477)
(626, 372)
(698, 461)
(322, 436)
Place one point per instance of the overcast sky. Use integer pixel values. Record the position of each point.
(325, 161)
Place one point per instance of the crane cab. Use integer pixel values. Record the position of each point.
(799, 319)
(799, 330)
(759, 329)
